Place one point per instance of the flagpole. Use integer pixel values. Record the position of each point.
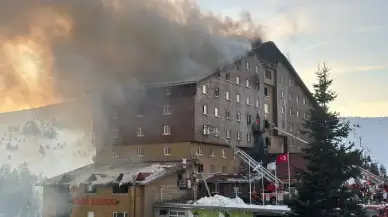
(250, 183)
(289, 172)
(262, 184)
(276, 186)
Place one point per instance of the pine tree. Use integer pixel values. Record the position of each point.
(330, 163)
(383, 171)
(374, 168)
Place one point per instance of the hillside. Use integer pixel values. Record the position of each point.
(372, 132)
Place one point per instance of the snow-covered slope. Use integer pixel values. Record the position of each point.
(47, 140)
(374, 135)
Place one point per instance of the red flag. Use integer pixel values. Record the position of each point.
(282, 158)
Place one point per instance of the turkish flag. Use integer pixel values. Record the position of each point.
(282, 158)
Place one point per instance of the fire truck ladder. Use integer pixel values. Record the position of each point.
(376, 179)
(256, 167)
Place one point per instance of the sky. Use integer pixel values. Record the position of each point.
(349, 36)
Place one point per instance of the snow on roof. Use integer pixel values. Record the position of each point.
(104, 175)
(221, 201)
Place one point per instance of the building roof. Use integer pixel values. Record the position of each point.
(119, 172)
(270, 51)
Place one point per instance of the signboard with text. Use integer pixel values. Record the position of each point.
(86, 201)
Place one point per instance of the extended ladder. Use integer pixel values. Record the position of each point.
(376, 179)
(256, 167)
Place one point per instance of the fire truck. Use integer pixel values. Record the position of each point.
(376, 210)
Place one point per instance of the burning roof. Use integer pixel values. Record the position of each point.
(121, 173)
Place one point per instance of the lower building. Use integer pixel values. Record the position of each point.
(120, 189)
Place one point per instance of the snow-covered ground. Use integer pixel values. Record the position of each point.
(218, 200)
(54, 149)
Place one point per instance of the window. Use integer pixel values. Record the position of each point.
(140, 151)
(167, 91)
(238, 80)
(166, 110)
(290, 81)
(297, 113)
(224, 170)
(216, 113)
(266, 109)
(216, 92)
(211, 153)
(216, 131)
(238, 116)
(290, 127)
(200, 148)
(176, 214)
(304, 100)
(249, 119)
(283, 124)
(115, 133)
(204, 89)
(115, 114)
(248, 65)
(227, 97)
(281, 79)
(90, 189)
(227, 114)
(166, 130)
(289, 96)
(238, 98)
(212, 169)
(248, 83)
(90, 214)
(297, 98)
(305, 115)
(119, 189)
(248, 100)
(228, 134)
(282, 94)
(206, 130)
(227, 76)
(223, 153)
(218, 73)
(114, 153)
(204, 109)
(140, 131)
(257, 69)
(120, 214)
(268, 75)
(291, 112)
(167, 150)
(257, 85)
(283, 110)
(257, 103)
(266, 92)
(238, 135)
(249, 137)
(140, 112)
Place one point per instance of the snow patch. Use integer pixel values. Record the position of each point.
(218, 200)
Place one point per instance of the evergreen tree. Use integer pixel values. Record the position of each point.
(330, 163)
(383, 171)
(18, 195)
(374, 168)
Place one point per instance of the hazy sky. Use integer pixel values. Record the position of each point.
(350, 36)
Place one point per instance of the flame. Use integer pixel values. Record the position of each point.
(26, 63)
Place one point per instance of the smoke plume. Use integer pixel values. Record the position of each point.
(58, 49)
